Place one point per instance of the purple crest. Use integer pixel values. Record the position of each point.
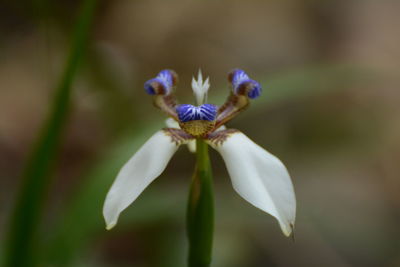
(206, 112)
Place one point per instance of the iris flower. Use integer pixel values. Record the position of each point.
(257, 176)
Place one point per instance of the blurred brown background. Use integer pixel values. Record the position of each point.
(329, 110)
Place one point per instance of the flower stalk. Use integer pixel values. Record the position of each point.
(200, 212)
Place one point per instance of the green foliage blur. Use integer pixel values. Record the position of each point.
(329, 110)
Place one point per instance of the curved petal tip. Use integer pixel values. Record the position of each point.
(259, 177)
(145, 166)
(288, 229)
(111, 225)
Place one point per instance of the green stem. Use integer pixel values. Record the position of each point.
(22, 237)
(200, 213)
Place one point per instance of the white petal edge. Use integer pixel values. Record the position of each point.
(143, 168)
(260, 178)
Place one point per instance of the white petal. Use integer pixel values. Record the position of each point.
(171, 123)
(145, 165)
(260, 178)
(200, 88)
(221, 128)
(192, 146)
